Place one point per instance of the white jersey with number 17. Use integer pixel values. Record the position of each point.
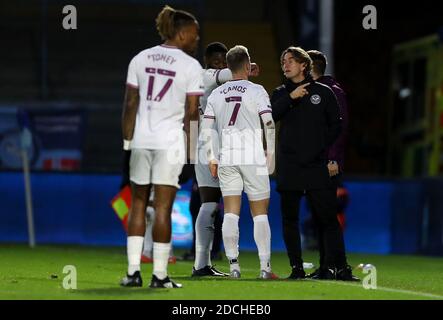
(236, 107)
(164, 76)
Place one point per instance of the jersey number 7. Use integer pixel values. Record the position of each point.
(236, 109)
(162, 72)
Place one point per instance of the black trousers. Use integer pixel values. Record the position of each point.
(324, 204)
(318, 225)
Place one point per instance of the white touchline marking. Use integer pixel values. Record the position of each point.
(416, 293)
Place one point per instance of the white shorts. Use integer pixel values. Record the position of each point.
(154, 167)
(204, 176)
(254, 180)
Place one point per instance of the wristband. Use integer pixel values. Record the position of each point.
(126, 144)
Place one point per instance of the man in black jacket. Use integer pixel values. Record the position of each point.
(310, 122)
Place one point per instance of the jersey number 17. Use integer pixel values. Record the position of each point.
(167, 85)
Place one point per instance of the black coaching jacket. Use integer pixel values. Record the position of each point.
(308, 126)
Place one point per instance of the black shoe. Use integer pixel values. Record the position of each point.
(132, 281)
(208, 271)
(322, 274)
(165, 283)
(316, 275)
(345, 274)
(297, 273)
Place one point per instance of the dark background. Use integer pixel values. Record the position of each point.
(79, 76)
(43, 65)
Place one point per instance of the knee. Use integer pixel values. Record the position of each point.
(328, 221)
(136, 218)
(163, 209)
(289, 218)
(289, 213)
(207, 212)
(205, 220)
(162, 218)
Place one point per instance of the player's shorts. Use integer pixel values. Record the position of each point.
(254, 180)
(154, 167)
(204, 176)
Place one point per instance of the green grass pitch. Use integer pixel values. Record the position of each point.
(38, 274)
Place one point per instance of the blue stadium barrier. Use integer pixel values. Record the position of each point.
(382, 217)
(432, 226)
(368, 217)
(407, 216)
(68, 208)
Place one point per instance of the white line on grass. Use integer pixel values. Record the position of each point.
(347, 284)
(415, 293)
(410, 292)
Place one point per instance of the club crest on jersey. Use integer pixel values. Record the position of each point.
(315, 99)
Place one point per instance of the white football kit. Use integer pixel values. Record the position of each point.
(212, 78)
(164, 76)
(236, 108)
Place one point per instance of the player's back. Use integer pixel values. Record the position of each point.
(237, 106)
(164, 76)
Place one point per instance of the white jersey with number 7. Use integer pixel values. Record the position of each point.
(236, 107)
(164, 76)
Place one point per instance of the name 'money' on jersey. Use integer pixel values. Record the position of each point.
(164, 76)
(236, 107)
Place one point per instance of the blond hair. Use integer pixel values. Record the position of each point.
(237, 57)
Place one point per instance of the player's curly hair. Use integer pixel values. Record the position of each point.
(169, 21)
(301, 56)
(215, 47)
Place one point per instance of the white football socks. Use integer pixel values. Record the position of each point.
(262, 237)
(134, 251)
(161, 255)
(148, 243)
(204, 235)
(230, 239)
